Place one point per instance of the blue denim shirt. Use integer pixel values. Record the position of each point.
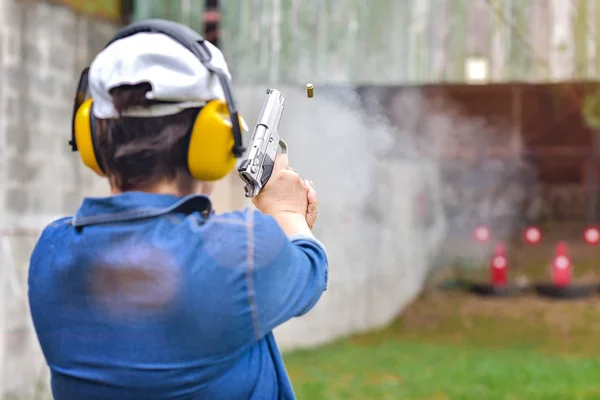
(150, 296)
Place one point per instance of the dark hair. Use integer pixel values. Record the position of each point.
(138, 153)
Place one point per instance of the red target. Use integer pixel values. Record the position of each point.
(533, 235)
(499, 262)
(591, 235)
(482, 234)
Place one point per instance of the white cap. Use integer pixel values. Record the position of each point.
(174, 73)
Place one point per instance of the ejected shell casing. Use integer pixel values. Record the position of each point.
(310, 90)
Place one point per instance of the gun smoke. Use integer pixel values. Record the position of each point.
(380, 158)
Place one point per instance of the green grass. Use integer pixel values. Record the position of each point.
(455, 346)
(416, 371)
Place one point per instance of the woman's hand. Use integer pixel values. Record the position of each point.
(286, 198)
(284, 193)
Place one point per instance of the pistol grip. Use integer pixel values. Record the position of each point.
(267, 170)
(269, 163)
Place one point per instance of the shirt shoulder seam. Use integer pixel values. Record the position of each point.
(250, 272)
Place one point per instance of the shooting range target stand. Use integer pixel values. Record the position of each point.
(562, 286)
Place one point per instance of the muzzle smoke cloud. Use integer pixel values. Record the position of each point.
(474, 170)
(402, 183)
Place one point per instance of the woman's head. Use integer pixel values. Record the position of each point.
(147, 90)
(145, 153)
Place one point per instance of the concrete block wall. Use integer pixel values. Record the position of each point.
(43, 48)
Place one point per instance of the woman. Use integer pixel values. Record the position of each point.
(147, 293)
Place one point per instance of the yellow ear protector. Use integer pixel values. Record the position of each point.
(215, 135)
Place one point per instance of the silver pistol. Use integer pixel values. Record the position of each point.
(256, 168)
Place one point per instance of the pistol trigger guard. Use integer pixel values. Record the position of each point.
(283, 146)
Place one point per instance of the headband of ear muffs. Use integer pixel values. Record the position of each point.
(216, 133)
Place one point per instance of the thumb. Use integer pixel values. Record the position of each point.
(281, 162)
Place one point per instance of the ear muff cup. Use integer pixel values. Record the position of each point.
(210, 155)
(84, 136)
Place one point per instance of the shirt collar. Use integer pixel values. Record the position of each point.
(137, 205)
